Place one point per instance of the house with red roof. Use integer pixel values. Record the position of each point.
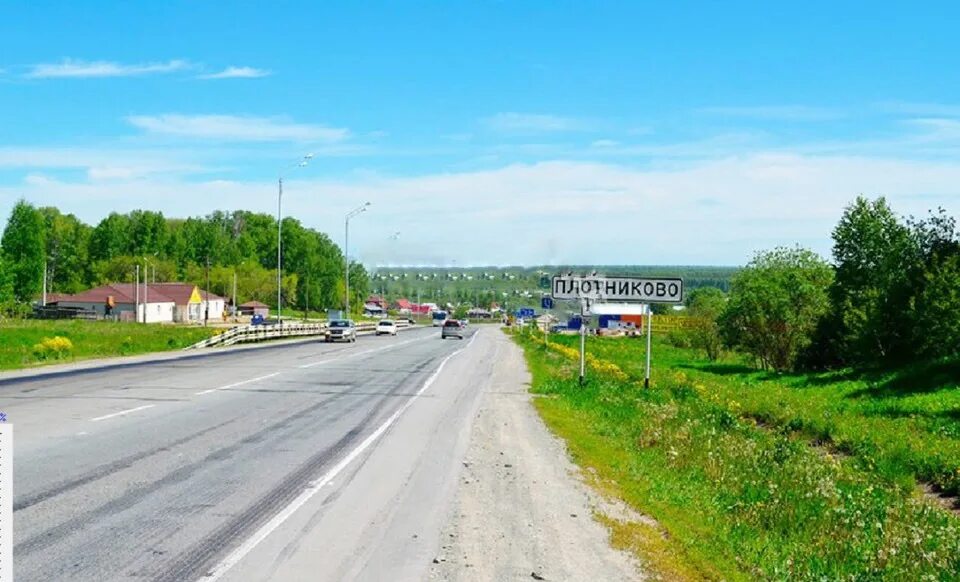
(150, 303)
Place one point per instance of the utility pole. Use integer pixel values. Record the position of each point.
(44, 298)
(346, 252)
(279, 242)
(145, 300)
(235, 308)
(206, 292)
(136, 295)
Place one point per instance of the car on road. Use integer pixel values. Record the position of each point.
(341, 330)
(386, 327)
(451, 328)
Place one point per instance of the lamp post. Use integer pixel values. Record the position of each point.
(303, 162)
(346, 251)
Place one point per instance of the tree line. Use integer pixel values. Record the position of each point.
(890, 296)
(217, 247)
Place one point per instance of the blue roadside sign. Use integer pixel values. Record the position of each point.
(546, 302)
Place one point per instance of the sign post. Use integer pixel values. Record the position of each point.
(646, 379)
(599, 289)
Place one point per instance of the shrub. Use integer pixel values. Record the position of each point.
(53, 348)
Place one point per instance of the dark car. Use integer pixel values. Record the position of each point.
(451, 328)
(341, 330)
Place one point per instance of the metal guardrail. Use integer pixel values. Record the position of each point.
(256, 333)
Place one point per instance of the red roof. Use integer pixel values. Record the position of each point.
(181, 292)
(404, 304)
(178, 293)
(253, 304)
(121, 293)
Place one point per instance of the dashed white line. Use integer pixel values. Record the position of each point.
(121, 413)
(247, 546)
(380, 349)
(241, 383)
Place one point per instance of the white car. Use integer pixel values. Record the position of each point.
(386, 326)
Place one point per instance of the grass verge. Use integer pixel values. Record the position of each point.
(28, 343)
(736, 500)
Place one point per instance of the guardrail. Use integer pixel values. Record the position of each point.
(257, 333)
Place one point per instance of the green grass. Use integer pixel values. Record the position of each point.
(90, 339)
(823, 487)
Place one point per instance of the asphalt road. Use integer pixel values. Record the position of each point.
(302, 462)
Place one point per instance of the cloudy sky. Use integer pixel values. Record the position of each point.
(489, 132)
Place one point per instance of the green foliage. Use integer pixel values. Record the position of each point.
(705, 305)
(761, 476)
(242, 243)
(775, 304)
(937, 309)
(872, 252)
(23, 250)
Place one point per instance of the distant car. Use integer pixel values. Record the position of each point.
(341, 330)
(464, 322)
(451, 328)
(257, 319)
(386, 327)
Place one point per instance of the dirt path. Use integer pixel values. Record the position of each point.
(520, 511)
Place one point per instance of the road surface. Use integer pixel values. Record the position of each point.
(395, 458)
(178, 469)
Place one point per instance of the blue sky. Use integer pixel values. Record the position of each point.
(489, 132)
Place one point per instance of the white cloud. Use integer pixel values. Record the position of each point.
(237, 73)
(920, 109)
(706, 212)
(71, 68)
(604, 143)
(236, 128)
(532, 122)
(775, 112)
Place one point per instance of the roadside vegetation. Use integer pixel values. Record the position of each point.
(26, 343)
(804, 425)
(222, 248)
(752, 475)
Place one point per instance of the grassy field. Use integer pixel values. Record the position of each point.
(21, 340)
(751, 475)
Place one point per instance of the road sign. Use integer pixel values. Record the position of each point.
(526, 312)
(618, 289)
(546, 302)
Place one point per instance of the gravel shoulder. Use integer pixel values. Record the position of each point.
(521, 512)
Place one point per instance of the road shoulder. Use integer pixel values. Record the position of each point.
(521, 511)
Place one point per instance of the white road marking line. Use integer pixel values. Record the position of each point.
(81, 433)
(121, 413)
(261, 534)
(380, 349)
(235, 384)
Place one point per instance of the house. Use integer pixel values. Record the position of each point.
(378, 301)
(192, 302)
(158, 302)
(254, 308)
(373, 310)
(403, 306)
(123, 301)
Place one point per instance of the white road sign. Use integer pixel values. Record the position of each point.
(618, 289)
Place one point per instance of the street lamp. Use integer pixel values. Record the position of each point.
(346, 251)
(303, 162)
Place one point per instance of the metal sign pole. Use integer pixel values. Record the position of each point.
(646, 380)
(583, 341)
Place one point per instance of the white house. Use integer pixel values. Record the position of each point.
(158, 302)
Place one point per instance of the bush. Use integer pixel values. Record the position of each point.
(775, 304)
(679, 338)
(53, 348)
